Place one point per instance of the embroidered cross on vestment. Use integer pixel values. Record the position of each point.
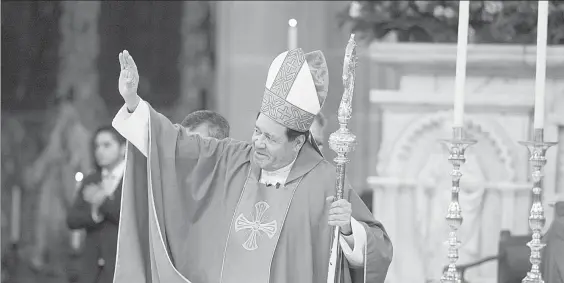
(256, 226)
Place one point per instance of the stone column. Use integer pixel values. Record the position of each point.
(68, 149)
(195, 62)
(79, 50)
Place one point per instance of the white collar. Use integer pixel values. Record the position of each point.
(116, 172)
(277, 176)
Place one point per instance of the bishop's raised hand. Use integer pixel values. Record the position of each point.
(128, 80)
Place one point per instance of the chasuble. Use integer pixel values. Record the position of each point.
(193, 210)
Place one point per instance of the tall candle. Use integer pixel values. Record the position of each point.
(16, 211)
(76, 235)
(461, 51)
(292, 34)
(540, 78)
(75, 239)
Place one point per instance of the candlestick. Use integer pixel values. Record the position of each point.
(292, 34)
(540, 77)
(461, 51)
(16, 210)
(537, 150)
(456, 146)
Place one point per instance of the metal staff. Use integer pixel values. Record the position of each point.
(342, 142)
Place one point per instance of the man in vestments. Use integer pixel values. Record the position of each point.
(553, 252)
(247, 212)
(206, 123)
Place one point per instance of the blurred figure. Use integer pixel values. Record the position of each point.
(553, 253)
(207, 123)
(51, 178)
(96, 208)
(318, 130)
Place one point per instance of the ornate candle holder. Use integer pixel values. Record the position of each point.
(456, 147)
(537, 150)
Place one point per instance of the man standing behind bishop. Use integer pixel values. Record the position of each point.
(249, 212)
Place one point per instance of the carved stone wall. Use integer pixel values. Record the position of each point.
(411, 182)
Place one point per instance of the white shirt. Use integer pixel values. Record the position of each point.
(111, 179)
(135, 128)
(273, 177)
(110, 182)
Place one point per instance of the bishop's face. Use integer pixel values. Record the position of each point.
(271, 148)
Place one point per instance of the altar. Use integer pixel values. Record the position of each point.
(411, 109)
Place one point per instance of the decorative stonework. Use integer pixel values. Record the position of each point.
(408, 142)
(444, 55)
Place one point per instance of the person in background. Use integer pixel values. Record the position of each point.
(206, 123)
(318, 130)
(553, 253)
(96, 208)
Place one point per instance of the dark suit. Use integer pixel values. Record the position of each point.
(97, 258)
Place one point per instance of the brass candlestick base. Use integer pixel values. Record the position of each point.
(537, 150)
(456, 146)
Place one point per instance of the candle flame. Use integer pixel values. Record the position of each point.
(78, 176)
(293, 23)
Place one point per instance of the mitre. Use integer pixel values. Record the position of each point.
(295, 89)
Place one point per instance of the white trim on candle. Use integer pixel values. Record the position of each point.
(540, 75)
(461, 53)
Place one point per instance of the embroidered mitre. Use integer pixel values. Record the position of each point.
(296, 88)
